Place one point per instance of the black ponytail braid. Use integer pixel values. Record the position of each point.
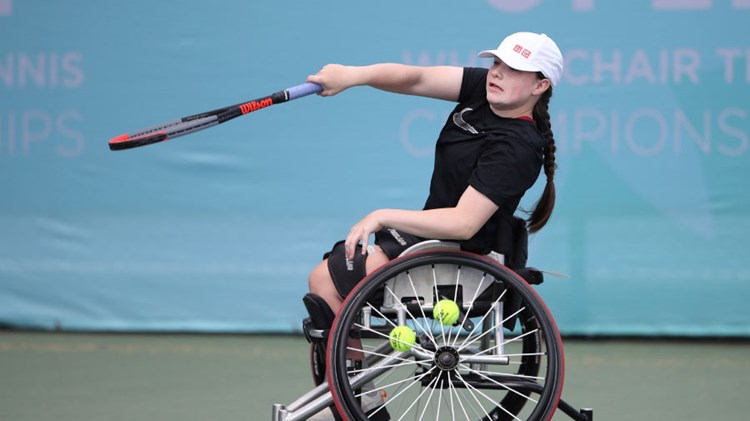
(546, 203)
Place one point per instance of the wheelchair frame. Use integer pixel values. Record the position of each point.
(437, 260)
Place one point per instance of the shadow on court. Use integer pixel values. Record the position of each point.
(119, 377)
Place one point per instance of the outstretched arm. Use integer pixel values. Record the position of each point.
(458, 223)
(441, 82)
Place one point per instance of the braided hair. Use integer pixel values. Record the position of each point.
(543, 209)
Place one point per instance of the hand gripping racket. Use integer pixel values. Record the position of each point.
(193, 123)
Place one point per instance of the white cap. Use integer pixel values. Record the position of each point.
(530, 52)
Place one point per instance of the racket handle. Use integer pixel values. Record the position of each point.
(304, 89)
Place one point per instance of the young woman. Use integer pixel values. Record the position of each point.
(490, 151)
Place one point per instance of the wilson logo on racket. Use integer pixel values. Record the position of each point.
(255, 105)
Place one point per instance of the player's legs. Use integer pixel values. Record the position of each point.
(321, 282)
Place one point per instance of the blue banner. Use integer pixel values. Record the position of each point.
(217, 231)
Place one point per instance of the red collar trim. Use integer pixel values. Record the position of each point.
(527, 118)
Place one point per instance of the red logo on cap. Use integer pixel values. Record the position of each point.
(522, 51)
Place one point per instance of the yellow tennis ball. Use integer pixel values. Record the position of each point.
(445, 312)
(402, 338)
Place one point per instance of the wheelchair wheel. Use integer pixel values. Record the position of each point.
(502, 359)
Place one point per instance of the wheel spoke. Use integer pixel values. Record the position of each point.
(449, 402)
(487, 313)
(455, 298)
(407, 363)
(471, 306)
(437, 297)
(512, 375)
(416, 320)
(429, 398)
(471, 390)
(387, 319)
(488, 331)
(440, 401)
(414, 345)
(396, 383)
(500, 384)
(417, 399)
(453, 391)
(507, 342)
(421, 308)
(377, 354)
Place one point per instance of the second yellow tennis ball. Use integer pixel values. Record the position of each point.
(446, 312)
(402, 338)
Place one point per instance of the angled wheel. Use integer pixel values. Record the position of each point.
(501, 360)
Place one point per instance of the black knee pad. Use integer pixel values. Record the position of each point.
(345, 273)
(316, 329)
(393, 242)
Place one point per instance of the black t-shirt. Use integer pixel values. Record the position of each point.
(500, 157)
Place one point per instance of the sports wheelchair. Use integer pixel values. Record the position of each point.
(501, 360)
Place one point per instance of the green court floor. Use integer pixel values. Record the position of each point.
(127, 377)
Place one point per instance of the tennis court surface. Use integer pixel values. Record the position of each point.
(114, 377)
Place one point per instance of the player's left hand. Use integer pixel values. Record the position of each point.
(361, 232)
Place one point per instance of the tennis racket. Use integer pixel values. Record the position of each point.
(193, 123)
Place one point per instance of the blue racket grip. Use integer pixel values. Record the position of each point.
(304, 89)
